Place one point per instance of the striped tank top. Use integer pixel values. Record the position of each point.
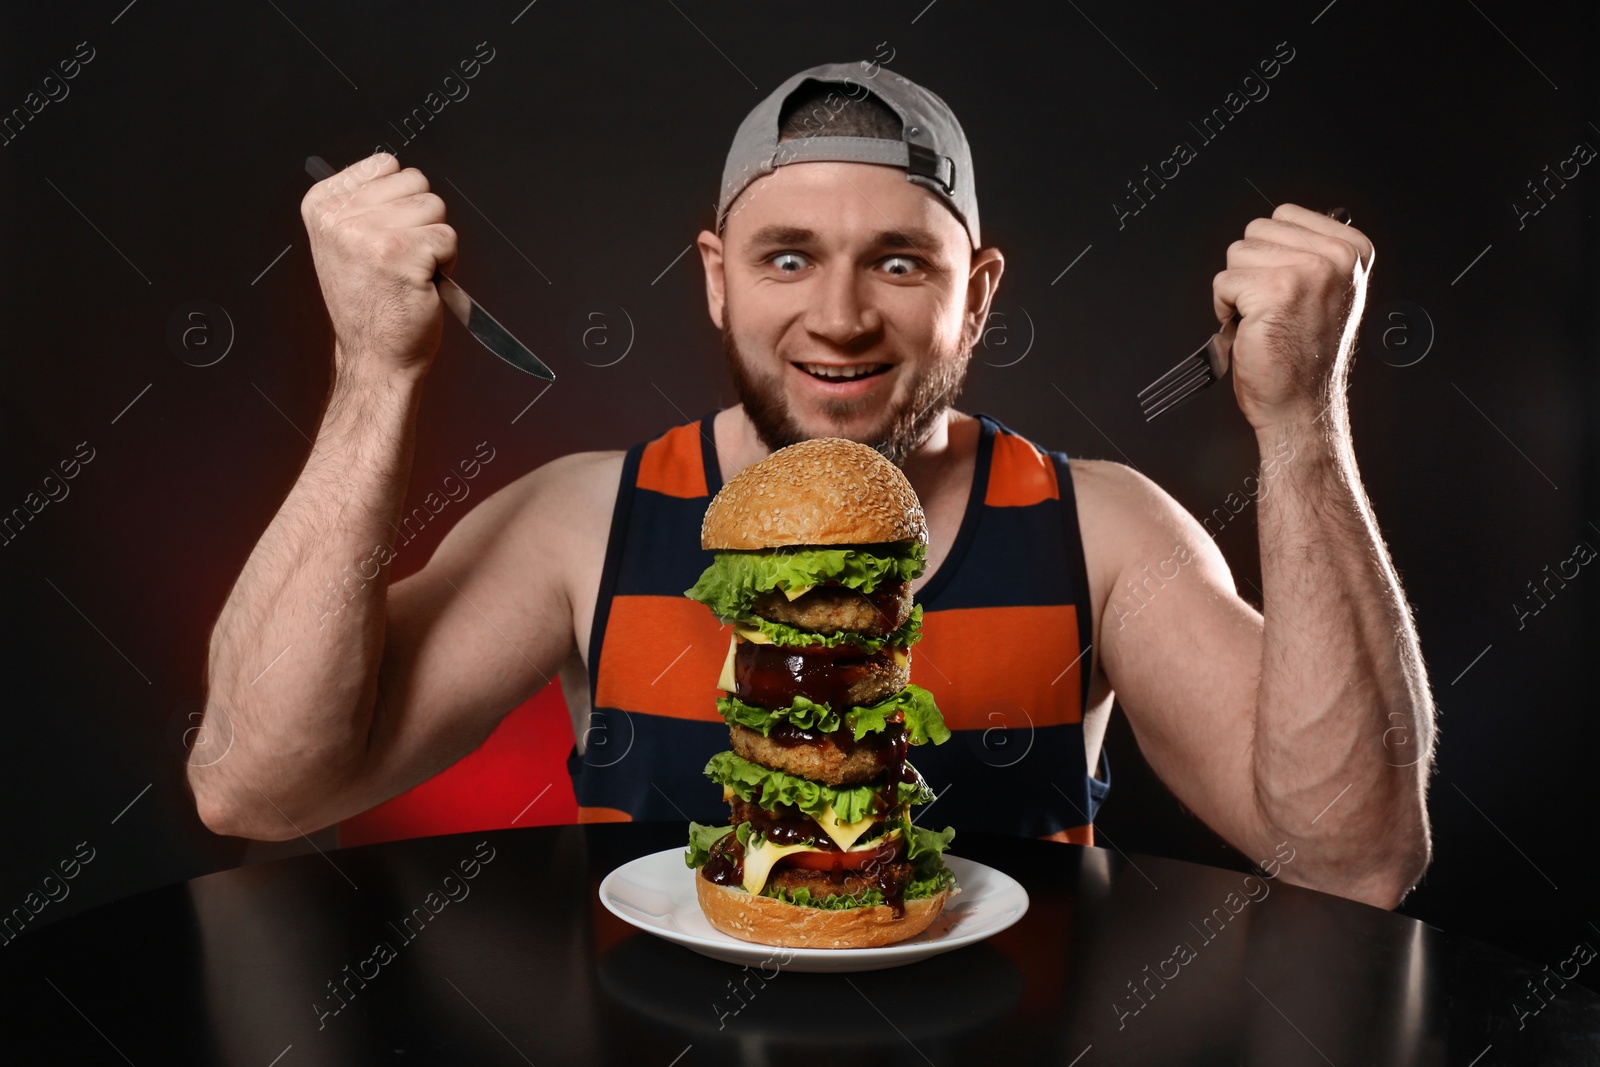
(1006, 633)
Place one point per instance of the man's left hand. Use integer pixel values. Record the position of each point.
(1298, 281)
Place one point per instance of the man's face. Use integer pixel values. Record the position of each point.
(845, 306)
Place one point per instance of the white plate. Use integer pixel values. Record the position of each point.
(656, 893)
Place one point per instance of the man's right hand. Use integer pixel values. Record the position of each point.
(337, 690)
(377, 237)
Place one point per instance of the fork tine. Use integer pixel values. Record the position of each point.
(1199, 377)
(1178, 396)
(1182, 370)
(1165, 407)
(1177, 385)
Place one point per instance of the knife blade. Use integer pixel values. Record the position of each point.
(482, 325)
(487, 329)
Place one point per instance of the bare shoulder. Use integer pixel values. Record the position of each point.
(569, 498)
(1118, 498)
(1126, 518)
(557, 512)
(581, 475)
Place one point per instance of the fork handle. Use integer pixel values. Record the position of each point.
(1219, 350)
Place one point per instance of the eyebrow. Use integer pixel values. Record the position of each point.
(915, 238)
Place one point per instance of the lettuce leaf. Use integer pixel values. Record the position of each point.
(943, 878)
(925, 848)
(922, 719)
(769, 788)
(735, 579)
(916, 889)
(803, 712)
(925, 852)
(781, 633)
(701, 838)
(833, 902)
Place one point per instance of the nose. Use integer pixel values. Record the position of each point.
(841, 310)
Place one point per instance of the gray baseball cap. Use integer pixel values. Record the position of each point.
(933, 150)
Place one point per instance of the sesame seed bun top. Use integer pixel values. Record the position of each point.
(826, 491)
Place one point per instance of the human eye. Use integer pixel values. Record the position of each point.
(901, 265)
(788, 262)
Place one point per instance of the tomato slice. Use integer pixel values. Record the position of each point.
(843, 861)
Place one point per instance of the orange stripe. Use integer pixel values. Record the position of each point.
(673, 464)
(662, 656)
(991, 668)
(1019, 474)
(603, 815)
(1073, 835)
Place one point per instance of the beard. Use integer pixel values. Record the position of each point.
(902, 428)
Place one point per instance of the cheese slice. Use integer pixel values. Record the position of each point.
(726, 682)
(902, 658)
(844, 835)
(758, 861)
(751, 634)
(798, 591)
(763, 856)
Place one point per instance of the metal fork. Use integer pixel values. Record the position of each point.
(1209, 363)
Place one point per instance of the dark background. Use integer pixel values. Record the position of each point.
(588, 155)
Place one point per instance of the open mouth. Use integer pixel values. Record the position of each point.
(833, 372)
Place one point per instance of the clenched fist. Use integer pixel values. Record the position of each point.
(377, 237)
(1298, 280)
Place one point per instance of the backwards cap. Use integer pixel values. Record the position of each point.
(932, 150)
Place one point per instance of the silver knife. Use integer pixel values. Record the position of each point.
(482, 325)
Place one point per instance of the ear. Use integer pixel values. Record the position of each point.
(711, 258)
(982, 281)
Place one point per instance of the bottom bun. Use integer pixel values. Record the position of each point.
(767, 921)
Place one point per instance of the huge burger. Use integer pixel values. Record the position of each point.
(817, 546)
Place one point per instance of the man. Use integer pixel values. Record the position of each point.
(847, 277)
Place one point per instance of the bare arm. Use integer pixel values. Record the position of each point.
(1310, 726)
(294, 653)
(1344, 719)
(328, 691)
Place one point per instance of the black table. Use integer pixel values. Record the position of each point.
(513, 960)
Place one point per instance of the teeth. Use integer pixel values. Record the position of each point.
(828, 370)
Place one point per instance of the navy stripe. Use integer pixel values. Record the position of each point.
(609, 571)
(1012, 562)
(1027, 781)
(1072, 528)
(1100, 785)
(979, 775)
(650, 766)
(708, 459)
(928, 596)
(662, 555)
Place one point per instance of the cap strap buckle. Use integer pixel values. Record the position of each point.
(926, 163)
